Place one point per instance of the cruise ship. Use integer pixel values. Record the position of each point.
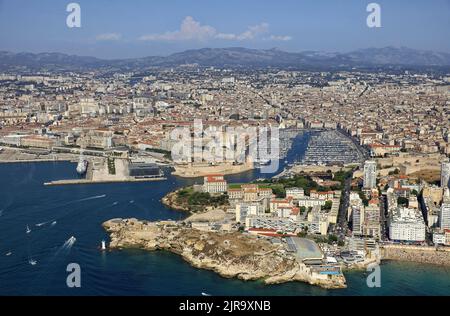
(82, 166)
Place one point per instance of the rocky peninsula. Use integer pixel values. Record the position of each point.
(189, 200)
(230, 254)
(171, 201)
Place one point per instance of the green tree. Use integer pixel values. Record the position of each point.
(328, 205)
(332, 239)
(402, 201)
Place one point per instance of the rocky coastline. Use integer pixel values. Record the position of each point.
(230, 254)
(170, 201)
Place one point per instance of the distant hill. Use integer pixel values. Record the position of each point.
(399, 56)
(234, 57)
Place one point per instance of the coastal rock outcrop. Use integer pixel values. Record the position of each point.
(170, 200)
(230, 254)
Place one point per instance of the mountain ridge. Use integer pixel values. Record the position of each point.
(235, 57)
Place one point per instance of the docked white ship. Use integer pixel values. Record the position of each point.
(82, 166)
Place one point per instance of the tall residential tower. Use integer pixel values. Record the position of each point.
(370, 174)
(445, 174)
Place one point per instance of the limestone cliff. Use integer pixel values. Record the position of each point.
(229, 254)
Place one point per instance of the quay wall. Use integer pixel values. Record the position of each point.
(430, 255)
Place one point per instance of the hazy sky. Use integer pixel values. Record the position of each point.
(135, 28)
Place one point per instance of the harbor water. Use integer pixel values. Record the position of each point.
(35, 263)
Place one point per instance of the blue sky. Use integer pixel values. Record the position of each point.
(135, 28)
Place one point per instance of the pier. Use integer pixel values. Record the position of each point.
(109, 170)
(87, 181)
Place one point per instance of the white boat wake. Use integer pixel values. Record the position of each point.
(69, 243)
(91, 198)
(66, 246)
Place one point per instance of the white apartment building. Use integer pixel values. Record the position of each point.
(295, 193)
(445, 174)
(444, 214)
(275, 204)
(439, 239)
(214, 184)
(357, 219)
(406, 225)
(310, 202)
(328, 195)
(243, 210)
(318, 222)
(370, 174)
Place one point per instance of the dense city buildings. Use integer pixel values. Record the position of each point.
(362, 155)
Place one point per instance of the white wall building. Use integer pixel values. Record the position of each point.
(310, 202)
(445, 174)
(357, 219)
(214, 184)
(438, 239)
(406, 225)
(295, 193)
(370, 174)
(243, 210)
(444, 217)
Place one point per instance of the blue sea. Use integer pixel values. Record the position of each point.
(55, 213)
